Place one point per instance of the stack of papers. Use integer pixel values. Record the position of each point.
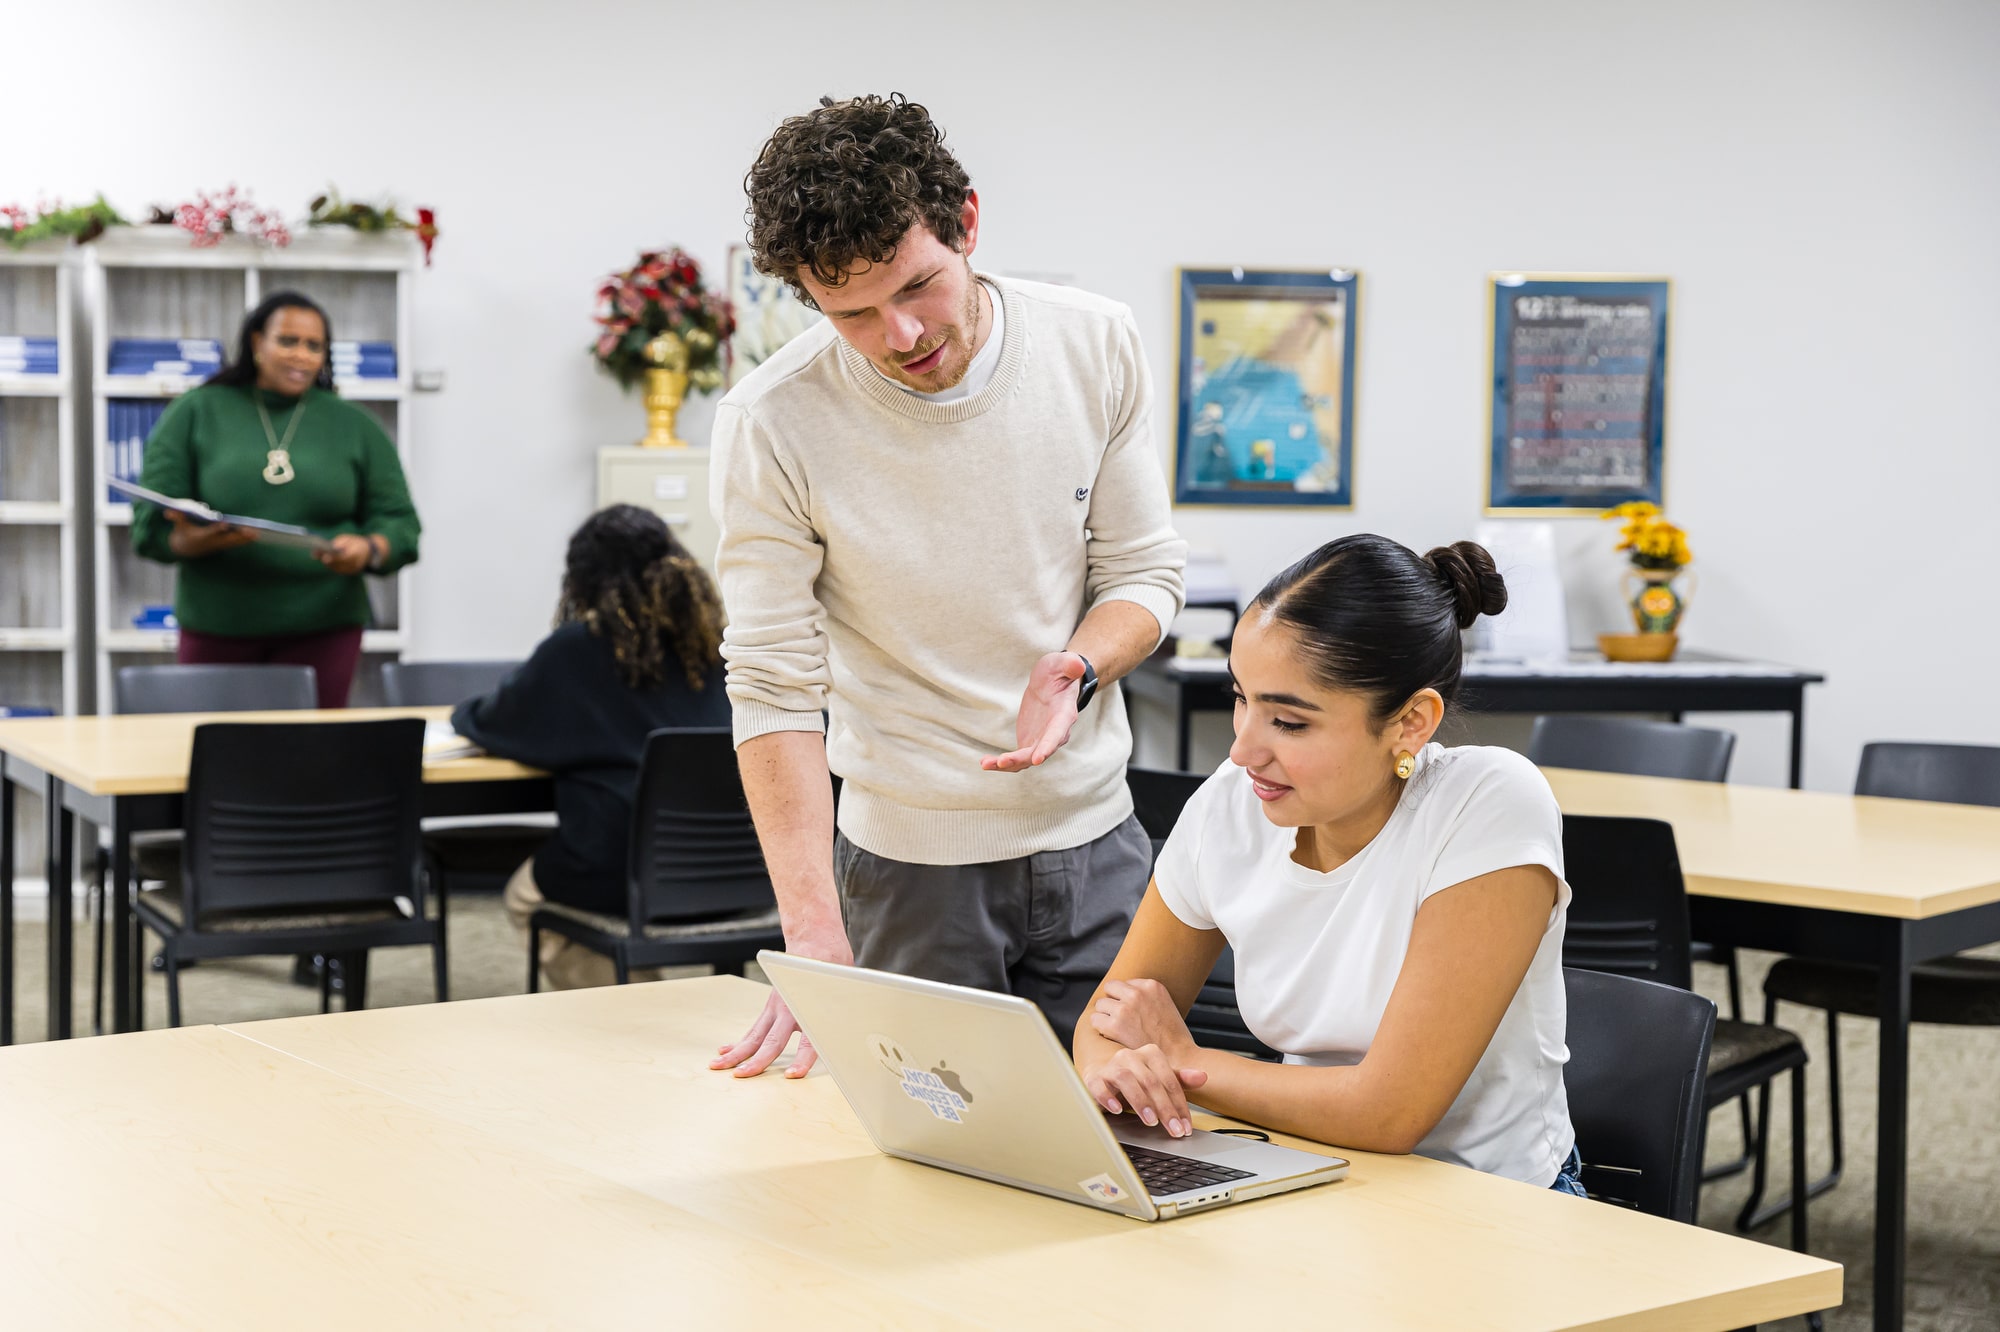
(441, 743)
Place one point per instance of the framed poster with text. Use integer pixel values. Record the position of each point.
(1266, 387)
(1579, 399)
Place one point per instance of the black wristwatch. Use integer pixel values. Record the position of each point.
(1087, 686)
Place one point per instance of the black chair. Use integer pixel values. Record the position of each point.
(423, 684)
(156, 856)
(1636, 1082)
(456, 852)
(696, 888)
(193, 688)
(1628, 916)
(301, 837)
(1650, 749)
(1628, 745)
(1158, 796)
(1957, 991)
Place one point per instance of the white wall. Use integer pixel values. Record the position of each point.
(1819, 178)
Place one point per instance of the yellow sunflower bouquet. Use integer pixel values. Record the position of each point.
(1654, 542)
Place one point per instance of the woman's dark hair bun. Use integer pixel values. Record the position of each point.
(1476, 586)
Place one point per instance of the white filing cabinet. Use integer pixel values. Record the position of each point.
(672, 483)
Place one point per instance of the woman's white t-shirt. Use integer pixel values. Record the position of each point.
(1318, 954)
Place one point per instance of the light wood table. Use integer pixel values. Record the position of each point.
(127, 774)
(196, 1179)
(613, 1082)
(1848, 878)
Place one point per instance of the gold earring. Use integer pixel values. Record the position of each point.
(1406, 763)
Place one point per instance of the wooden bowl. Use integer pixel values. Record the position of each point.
(1638, 647)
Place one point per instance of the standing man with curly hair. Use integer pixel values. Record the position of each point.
(942, 519)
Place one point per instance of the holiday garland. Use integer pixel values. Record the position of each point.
(209, 217)
(20, 226)
(231, 212)
(330, 210)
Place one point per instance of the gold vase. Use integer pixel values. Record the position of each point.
(666, 387)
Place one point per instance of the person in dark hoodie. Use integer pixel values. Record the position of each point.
(636, 647)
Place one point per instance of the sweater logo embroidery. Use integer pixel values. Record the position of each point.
(1082, 494)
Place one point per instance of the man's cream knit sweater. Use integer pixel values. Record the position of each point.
(903, 563)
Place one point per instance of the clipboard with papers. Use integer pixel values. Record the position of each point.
(277, 534)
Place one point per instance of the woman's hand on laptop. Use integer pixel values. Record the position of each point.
(1136, 1013)
(1154, 1071)
(1146, 1082)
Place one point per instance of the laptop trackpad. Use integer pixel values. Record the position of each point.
(1202, 1145)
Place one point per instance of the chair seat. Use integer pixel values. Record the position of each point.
(1740, 1043)
(156, 857)
(1952, 991)
(619, 927)
(166, 904)
(490, 848)
(1747, 1054)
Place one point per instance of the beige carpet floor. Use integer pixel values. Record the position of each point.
(1954, 1186)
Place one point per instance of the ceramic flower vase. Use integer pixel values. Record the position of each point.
(1657, 598)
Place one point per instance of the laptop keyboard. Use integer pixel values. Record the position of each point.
(1164, 1173)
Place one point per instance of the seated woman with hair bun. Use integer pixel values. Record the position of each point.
(1396, 907)
(636, 647)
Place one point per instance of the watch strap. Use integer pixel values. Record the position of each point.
(1086, 688)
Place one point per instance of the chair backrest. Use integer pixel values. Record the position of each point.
(1628, 904)
(1628, 745)
(694, 852)
(203, 688)
(428, 684)
(304, 813)
(1158, 797)
(1636, 1079)
(1956, 774)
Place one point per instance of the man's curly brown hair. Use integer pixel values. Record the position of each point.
(840, 186)
(631, 583)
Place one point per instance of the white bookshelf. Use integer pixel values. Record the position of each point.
(39, 598)
(40, 584)
(151, 282)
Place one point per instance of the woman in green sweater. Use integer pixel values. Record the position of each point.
(268, 438)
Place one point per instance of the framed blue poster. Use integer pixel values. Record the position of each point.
(1579, 402)
(1266, 387)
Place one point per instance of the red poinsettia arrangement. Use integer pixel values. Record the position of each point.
(662, 293)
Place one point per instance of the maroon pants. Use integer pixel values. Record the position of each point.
(333, 655)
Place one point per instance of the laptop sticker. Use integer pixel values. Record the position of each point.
(1101, 1187)
(929, 1090)
(888, 1053)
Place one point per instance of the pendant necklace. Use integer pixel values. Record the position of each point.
(278, 463)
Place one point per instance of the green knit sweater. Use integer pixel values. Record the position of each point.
(210, 446)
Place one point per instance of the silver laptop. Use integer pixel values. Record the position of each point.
(977, 1083)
